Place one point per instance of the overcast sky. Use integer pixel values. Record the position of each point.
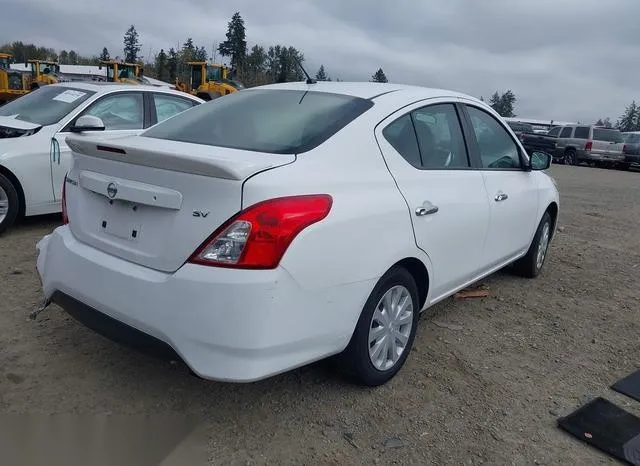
(564, 60)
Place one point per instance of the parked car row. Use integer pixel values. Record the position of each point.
(275, 226)
(577, 144)
(34, 156)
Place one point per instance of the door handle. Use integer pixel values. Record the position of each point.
(422, 211)
(501, 197)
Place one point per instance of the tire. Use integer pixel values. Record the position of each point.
(9, 203)
(204, 97)
(571, 157)
(529, 266)
(355, 362)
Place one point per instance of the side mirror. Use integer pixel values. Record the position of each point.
(540, 161)
(87, 123)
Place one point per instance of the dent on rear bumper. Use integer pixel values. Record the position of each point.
(229, 325)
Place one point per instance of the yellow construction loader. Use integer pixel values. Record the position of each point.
(44, 72)
(13, 83)
(209, 81)
(122, 72)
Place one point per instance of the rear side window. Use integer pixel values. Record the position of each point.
(274, 121)
(402, 137)
(608, 135)
(566, 132)
(582, 132)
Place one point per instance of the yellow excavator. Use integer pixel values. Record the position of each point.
(122, 72)
(209, 81)
(44, 72)
(13, 83)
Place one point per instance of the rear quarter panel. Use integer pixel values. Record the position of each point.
(368, 229)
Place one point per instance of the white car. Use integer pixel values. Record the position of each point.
(288, 223)
(33, 154)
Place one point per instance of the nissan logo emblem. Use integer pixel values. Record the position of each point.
(112, 190)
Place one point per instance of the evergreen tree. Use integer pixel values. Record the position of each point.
(172, 64)
(131, 45)
(63, 57)
(161, 65)
(503, 104)
(630, 119)
(379, 77)
(321, 75)
(104, 56)
(72, 58)
(236, 44)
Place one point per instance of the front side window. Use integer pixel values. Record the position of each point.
(554, 131)
(47, 105)
(440, 137)
(566, 132)
(274, 121)
(121, 111)
(497, 149)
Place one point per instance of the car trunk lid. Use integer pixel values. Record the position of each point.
(152, 201)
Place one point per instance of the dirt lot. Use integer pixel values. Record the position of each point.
(489, 392)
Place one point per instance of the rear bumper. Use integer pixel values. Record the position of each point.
(228, 325)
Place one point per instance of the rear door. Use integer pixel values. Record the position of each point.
(123, 114)
(426, 153)
(512, 190)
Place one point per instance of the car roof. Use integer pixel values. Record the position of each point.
(366, 90)
(102, 87)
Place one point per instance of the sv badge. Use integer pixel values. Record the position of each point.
(200, 213)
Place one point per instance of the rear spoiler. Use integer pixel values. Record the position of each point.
(215, 162)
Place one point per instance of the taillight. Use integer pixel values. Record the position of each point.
(65, 218)
(258, 237)
(588, 145)
(624, 148)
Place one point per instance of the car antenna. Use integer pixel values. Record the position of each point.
(310, 80)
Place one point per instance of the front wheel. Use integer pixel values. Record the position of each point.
(531, 264)
(571, 157)
(9, 203)
(385, 331)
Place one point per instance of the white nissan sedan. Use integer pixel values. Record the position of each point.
(289, 223)
(33, 154)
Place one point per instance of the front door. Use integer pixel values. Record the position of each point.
(122, 114)
(511, 189)
(426, 153)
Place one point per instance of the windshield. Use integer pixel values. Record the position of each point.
(274, 121)
(4, 63)
(47, 105)
(214, 73)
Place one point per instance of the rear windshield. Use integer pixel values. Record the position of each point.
(609, 135)
(274, 121)
(632, 138)
(47, 105)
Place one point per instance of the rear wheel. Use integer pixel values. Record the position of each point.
(385, 331)
(531, 264)
(9, 203)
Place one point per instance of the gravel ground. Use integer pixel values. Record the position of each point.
(485, 390)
